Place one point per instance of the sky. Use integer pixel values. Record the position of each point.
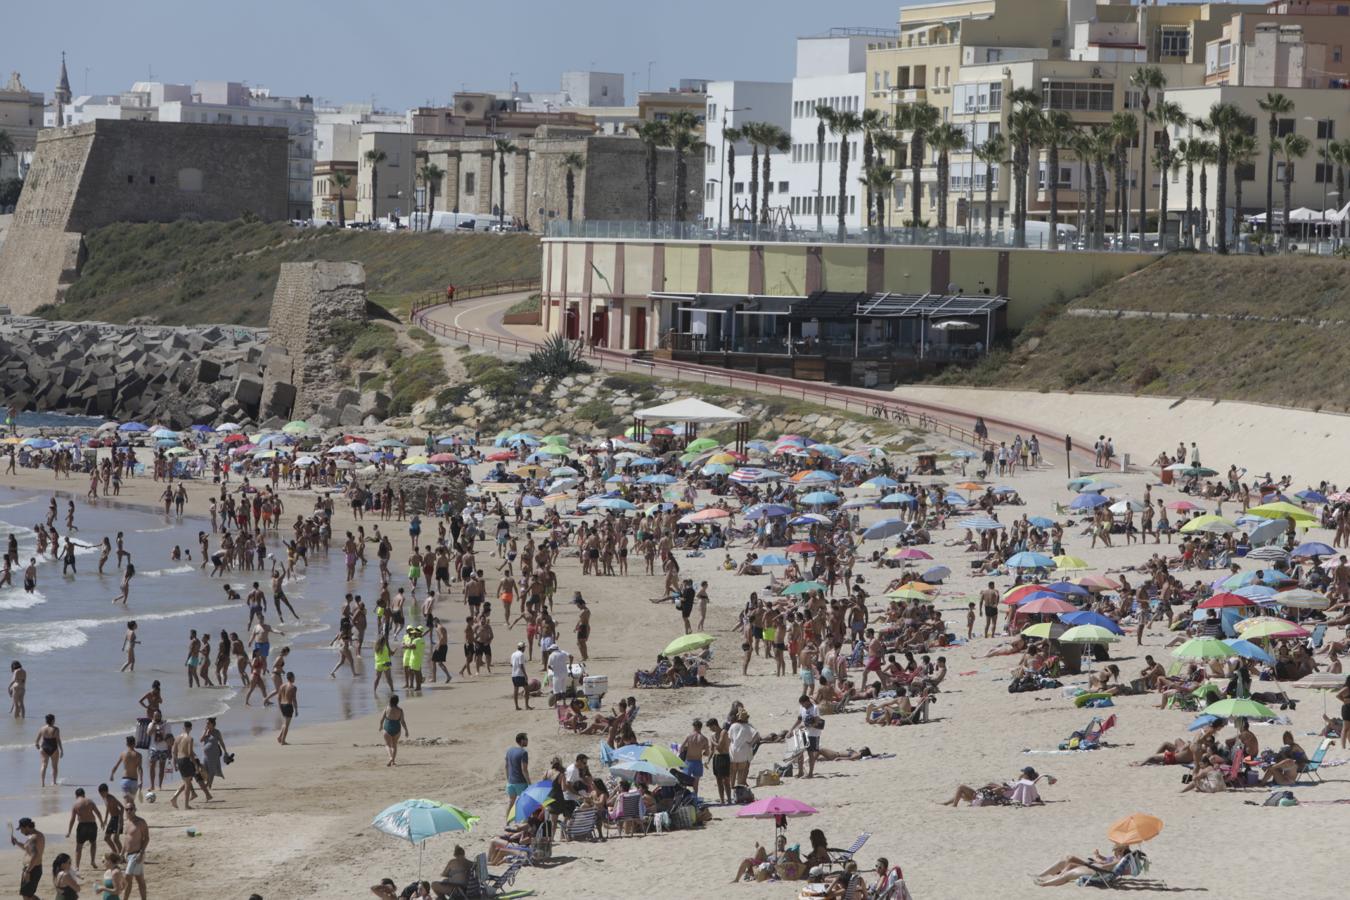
(413, 52)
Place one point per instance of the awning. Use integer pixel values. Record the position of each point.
(889, 305)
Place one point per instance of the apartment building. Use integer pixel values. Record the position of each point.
(732, 105)
(21, 112)
(1285, 45)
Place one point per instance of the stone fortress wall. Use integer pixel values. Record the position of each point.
(87, 176)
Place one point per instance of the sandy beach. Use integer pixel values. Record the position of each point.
(295, 821)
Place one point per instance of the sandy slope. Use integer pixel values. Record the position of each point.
(293, 821)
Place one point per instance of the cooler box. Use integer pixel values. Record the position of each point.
(595, 687)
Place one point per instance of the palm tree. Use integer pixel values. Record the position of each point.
(1125, 129)
(824, 120)
(776, 140)
(684, 139)
(572, 164)
(431, 175)
(844, 125)
(1146, 79)
(653, 136)
(1224, 121)
(1081, 145)
(918, 119)
(1166, 115)
(1340, 158)
(886, 144)
(1103, 148)
(1241, 152)
(880, 180)
(375, 157)
(752, 131)
(1273, 105)
(873, 123)
(993, 153)
(1163, 159)
(944, 139)
(1185, 153)
(1057, 130)
(341, 181)
(503, 148)
(730, 136)
(1292, 146)
(1024, 123)
(1206, 155)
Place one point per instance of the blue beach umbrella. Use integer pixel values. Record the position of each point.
(1313, 548)
(1026, 560)
(980, 523)
(884, 529)
(1041, 522)
(768, 511)
(1069, 589)
(532, 799)
(820, 498)
(1311, 496)
(880, 481)
(531, 500)
(657, 479)
(417, 820)
(133, 426)
(1088, 501)
(1248, 650)
(773, 559)
(1088, 617)
(898, 497)
(38, 443)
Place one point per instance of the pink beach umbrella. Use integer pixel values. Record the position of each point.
(910, 553)
(1046, 606)
(780, 809)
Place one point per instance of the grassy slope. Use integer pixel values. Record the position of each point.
(1294, 365)
(225, 271)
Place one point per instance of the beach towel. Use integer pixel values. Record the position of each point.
(1024, 793)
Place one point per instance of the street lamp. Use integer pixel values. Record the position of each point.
(722, 166)
(1326, 168)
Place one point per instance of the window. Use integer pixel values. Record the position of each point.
(1085, 96)
(1225, 55)
(1326, 130)
(738, 187)
(1335, 54)
(470, 180)
(1174, 42)
(1279, 172)
(712, 107)
(710, 191)
(1286, 126)
(1325, 174)
(782, 187)
(710, 155)
(1134, 99)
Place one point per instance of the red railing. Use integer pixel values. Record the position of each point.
(869, 403)
(471, 291)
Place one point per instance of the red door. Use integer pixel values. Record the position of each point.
(600, 328)
(638, 339)
(571, 323)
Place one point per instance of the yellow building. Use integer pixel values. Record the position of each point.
(965, 58)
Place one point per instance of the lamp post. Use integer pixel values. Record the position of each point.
(722, 167)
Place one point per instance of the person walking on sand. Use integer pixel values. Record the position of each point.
(693, 750)
(130, 762)
(112, 819)
(288, 702)
(135, 839)
(517, 769)
(32, 846)
(85, 821)
(520, 681)
(393, 725)
(48, 743)
(583, 626)
(183, 752)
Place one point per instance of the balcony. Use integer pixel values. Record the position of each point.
(910, 94)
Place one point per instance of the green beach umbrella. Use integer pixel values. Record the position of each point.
(701, 444)
(554, 450)
(1205, 648)
(1239, 708)
(299, 426)
(803, 587)
(688, 643)
(1088, 634)
(556, 439)
(1209, 524)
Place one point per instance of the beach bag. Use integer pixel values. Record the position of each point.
(769, 777)
(1279, 798)
(742, 794)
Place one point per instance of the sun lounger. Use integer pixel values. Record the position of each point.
(1131, 865)
(839, 857)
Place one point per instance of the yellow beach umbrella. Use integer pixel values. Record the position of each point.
(1280, 509)
(1209, 524)
(1071, 564)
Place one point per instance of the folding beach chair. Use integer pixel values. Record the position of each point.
(583, 826)
(630, 810)
(487, 885)
(1315, 761)
(839, 857)
(1131, 865)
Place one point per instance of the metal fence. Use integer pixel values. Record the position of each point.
(472, 291)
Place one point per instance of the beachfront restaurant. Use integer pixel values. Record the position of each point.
(857, 338)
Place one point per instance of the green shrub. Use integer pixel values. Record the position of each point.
(556, 358)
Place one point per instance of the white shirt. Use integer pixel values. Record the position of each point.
(742, 737)
(806, 713)
(557, 663)
(518, 664)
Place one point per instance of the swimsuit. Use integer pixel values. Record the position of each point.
(392, 727)
(287, 710)
(86, 832)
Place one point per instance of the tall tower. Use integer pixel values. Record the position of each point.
(62, 94)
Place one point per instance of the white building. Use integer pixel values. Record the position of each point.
(733, 104)
(831, 71)
(214, 102)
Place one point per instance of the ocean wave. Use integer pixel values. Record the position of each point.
(157, 573)
(14, 598)
(155, 530)
(44, 637)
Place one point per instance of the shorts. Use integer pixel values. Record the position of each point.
(520, 681)
(515, 788)
(756, 632)
(476, 601)
(159, 755)
(414, 573)
(873, 664)
(264, 649)
(135, 865)
(129, 786)
(438, 655)
(28, 881)
(991, 612)
(694, 767)
(86, 832)
(468, 649)
(112, 825)
(186, 767)
(813, 743)
(721, 763)
(286, 709)
(808, 677)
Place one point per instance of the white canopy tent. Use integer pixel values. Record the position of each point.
(694, 412)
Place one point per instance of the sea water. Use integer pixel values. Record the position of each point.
(68, 635)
